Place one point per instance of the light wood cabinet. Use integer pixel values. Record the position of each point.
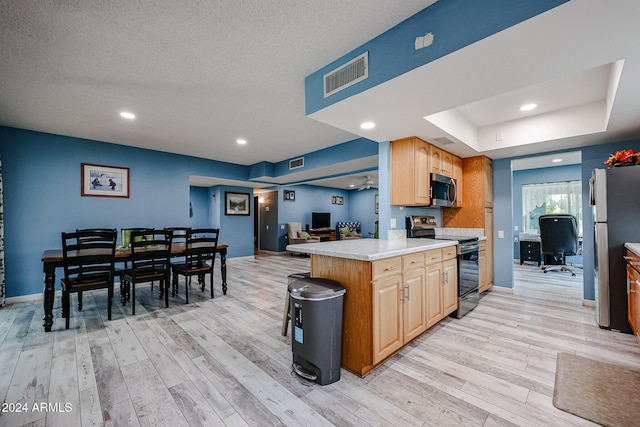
(482, 264)
(434, 294)
(389, 301)
(449, 286)
(399, 303)
(415, 315)
(440, 161)
(409, 175)
(487, 175)
(477, 211)
(387, 317)
(457, 175)
(633, 292)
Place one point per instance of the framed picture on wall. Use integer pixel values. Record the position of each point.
(377, 204)
(289, 195)
(337, 200)
(236, 203)
(104, 181)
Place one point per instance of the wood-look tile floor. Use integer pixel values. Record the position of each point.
(224, 362)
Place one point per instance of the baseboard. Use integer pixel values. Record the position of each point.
(501, 289)
(588, 303)
(26, 298)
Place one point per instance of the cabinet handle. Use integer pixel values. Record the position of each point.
(390, 268)
(446, 277)
(408, 289)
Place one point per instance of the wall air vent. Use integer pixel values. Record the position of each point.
(346, 75)
(296, 163)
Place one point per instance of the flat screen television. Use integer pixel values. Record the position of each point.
(320, 220)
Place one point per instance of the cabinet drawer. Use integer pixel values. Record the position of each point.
(386, 267)
(433, 256)
(633, 260)
(449, 252)
(412, 261)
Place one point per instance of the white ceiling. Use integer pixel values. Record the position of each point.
(201, 73)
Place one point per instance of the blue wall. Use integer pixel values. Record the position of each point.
(41, 178)
(200, 203)
(362, 209)
(592, 157)
(393, 53)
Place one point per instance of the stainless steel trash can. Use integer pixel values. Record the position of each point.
(316, 320)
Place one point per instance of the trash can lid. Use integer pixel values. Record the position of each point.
(316, 288)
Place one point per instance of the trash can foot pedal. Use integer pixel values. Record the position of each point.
(304, 374)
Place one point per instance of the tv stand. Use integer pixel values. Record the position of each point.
(325, 234)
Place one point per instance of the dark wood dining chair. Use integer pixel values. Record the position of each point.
(199, 260)
(88, 258)
(150, 254)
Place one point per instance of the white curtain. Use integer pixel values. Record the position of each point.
(550, 198)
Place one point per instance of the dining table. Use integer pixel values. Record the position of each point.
(52, 259)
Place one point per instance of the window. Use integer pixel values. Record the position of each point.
(550, 198)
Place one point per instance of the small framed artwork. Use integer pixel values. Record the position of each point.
(289, 195)
(104, 181)
(337, 200)
(236, 203)
(377, 204)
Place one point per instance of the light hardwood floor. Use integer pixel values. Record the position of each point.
(223, 361)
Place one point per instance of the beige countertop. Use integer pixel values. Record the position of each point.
(370, 249)
(633, 247)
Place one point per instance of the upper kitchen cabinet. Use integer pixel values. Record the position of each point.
(441, 161)
(457, 175)
(409, 177)
(487, 175)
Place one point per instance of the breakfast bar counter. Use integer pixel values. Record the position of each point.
(369, 249)
(396, 290)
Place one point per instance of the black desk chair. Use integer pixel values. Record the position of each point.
(89, 263)
(150, 253)
(200, 257)
(559, 236)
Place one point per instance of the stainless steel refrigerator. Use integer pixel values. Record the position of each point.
(616, 214)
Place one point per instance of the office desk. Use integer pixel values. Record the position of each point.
(52, 259)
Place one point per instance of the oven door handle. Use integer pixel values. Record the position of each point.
(465, 249)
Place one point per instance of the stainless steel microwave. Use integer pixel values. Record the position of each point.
(444, 191)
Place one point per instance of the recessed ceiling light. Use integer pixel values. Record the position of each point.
(352, 185)
(127, 115)
(367, 125)
(241, 141)
(528, 107)
(556, 160)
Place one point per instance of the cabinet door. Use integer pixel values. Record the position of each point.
(488, 182)
(488, 231)
(482, 267)
(446, 164)
(631, 299)
(387, 317)
(434, 294)
(450, 286)
(422, 185)
(457, 175)
(435, 159)
(415, 314)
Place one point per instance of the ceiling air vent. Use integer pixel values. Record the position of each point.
(296, 163)
(442, 141)
(350, 73)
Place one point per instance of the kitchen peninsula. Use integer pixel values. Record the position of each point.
(396, 290)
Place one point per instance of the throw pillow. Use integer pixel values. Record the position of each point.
(304, 235)
(345, 231)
